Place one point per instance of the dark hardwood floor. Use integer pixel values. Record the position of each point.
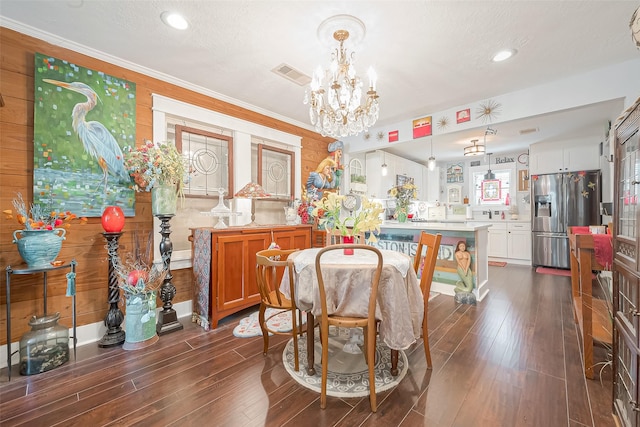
(512, 360)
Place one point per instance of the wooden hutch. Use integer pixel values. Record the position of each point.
(626, 269)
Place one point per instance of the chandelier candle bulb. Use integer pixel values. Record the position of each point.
(372, 78)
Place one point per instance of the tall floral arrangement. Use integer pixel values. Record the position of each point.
(403, 194)
(367, 219)
(155, 164)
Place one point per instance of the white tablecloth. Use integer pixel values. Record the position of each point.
(348, 279)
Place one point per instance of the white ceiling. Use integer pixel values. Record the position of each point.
(429, 55)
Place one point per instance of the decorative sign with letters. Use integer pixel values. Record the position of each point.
(505, 160)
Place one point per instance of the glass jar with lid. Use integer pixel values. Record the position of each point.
(45, 347)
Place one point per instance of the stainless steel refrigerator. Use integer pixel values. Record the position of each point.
(561, 200)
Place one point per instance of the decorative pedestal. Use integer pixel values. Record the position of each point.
(221, 211)
(167, 318)
(114, 335)
(220, 216)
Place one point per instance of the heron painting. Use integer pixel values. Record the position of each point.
(82, 120)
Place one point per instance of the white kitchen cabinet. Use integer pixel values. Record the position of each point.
(378, 185)
(582, 158)
(541, 162)
(519, 240)
(498, 240)
(510, 240)
(431, 184)
(557, 157)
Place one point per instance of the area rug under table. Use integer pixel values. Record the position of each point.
(348, 374)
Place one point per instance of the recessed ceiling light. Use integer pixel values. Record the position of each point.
(503, 55)
(174, 20)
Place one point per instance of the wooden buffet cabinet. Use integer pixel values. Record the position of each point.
(592, 314)
(626, 269)
(224, 263)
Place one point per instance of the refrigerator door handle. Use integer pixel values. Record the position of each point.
(551, 235)
(564, 211)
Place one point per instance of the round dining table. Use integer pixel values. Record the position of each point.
(347, 278)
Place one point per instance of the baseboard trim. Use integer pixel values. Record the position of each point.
(91, 333)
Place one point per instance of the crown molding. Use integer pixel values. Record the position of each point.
(85, 50)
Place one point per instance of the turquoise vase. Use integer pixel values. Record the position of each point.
(164, 199)
(140, 319)
(38, 248)
(402, 215)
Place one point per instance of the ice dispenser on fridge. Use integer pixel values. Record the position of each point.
(542, 206)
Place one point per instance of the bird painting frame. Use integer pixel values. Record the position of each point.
(83, 120)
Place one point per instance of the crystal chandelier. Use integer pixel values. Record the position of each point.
(335, 95)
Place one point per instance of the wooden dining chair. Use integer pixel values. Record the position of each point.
(425, 266)
(334, 237)
(270, 267)
(367, 323)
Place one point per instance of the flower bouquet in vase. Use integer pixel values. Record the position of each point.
(328, 212)
(158, 168)
(403, 195)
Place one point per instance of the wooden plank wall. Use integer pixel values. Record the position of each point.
(86, 243)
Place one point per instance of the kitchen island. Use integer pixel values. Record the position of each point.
(403, 237)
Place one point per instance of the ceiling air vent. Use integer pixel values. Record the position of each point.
(290, 73)
(528, 131)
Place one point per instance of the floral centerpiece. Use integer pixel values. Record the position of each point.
(367, 219)
(43, 230)
(40, 217)
(403, 194)
(158, 168)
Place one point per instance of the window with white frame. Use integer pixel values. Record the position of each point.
(491, 190)
(167, 113)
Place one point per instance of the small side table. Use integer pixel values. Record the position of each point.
(11, 271)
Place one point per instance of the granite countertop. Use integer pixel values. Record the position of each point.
(489, 221)
(436, 225)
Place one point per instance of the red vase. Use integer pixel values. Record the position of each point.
(347, 240)
(112, 219)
